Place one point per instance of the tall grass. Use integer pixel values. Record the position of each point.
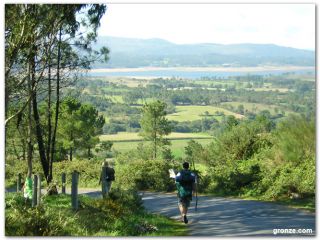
(120, 214)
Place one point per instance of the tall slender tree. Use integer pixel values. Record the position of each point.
(155, 125)
(45, 43)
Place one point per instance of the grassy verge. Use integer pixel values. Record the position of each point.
(121, 214)
(307, 204)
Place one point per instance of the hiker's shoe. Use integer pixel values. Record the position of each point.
(185, 219)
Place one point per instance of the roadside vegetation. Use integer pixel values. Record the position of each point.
(120, 214)
(248, 136)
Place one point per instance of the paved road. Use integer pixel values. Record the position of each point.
(226, 217)
(218, 216)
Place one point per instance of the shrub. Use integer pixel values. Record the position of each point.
(144, 174)
(89, 171)
(121, 214)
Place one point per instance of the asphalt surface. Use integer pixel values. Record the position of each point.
(226, 217)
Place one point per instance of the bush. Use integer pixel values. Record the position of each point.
(89, 171)
(120, 214)
(144, 174)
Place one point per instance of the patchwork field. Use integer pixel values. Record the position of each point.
(177, 145)
(264, 89)
(125, 141)
(132, 136)
(115, 98)
(192, 113)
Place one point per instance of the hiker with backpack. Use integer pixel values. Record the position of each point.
(109, 177)
(186, 185)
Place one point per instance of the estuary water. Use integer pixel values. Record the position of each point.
(194, 73)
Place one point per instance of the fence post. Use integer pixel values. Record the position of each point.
(103, 181)
(34, 190)
(19, 183)
(39, 190)
(74, 190)
(63, 177)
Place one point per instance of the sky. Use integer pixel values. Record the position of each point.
(291, 25)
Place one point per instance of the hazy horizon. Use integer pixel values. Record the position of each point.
(289, 25)
(194, 43)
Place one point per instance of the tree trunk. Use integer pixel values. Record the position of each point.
(53, 146)
(70, 154)
(155, 148)
(155, 140)
(50, 160)
(41, 146)
(39, 136)
(29, 131)
(23, 143)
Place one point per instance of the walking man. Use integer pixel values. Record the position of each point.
(185, 182)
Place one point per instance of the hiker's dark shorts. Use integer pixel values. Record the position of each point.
(184, 202)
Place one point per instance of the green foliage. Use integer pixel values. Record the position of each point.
(143, 174)
(120, 214)
(79, 126)
(289, 168)
(231, 155)
(89, 172)
(195, 152)
(250, 160)
(154, 125)
(46, 38)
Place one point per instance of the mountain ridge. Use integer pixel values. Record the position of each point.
(156, 52)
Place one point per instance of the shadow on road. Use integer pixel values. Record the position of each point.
(232, 217)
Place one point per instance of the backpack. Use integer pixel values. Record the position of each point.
(184, 184)
(110, 174)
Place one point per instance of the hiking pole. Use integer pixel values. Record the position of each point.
(196, 182)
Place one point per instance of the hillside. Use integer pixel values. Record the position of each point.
(130, 52)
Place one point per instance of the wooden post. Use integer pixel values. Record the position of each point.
(74, 190)
(103, 181)
(39, 190)
(19, 183)
(34, 190)
(63, 177)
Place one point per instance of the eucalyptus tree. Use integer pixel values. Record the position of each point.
(46, 47)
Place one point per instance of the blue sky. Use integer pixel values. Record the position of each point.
(291, 25)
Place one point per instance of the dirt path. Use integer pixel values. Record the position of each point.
(232, 217)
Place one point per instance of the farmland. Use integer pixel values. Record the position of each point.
(196, 107)
(177, 146)
(129, 136)
(191, 113)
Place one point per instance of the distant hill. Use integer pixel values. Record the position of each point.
(130, 52)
